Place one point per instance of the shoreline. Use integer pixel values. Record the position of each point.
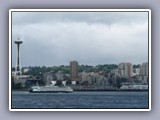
(97, 90)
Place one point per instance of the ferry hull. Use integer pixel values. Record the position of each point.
(50, 89)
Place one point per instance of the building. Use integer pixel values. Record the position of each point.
(85, 76)
(136, 71)
(115, 72)
(60, 75)
(26, 70)
(125, 70)
(49, 77)
(74, 70)
(144, 72)
(144, 69)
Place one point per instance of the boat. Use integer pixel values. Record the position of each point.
(50, 89)
(134, 87)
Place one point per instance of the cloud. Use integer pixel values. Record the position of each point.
(90, 38)
(21, 18)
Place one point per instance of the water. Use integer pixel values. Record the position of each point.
(80, 100)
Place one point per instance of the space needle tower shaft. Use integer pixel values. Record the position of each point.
(18, 68)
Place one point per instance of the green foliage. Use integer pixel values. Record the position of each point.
(136, 66)
(40, 70)
(105, 68)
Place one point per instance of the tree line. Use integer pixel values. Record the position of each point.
(40, 70)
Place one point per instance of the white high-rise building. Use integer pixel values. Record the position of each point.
(125, 69)
(144, 73)
(144, 69)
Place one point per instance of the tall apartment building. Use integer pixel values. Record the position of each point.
(144, 69)
(125, 69)
(74, 70)
(144, 73)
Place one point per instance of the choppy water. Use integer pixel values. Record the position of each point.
(80, 100)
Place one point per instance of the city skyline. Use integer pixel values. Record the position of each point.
(55, 38)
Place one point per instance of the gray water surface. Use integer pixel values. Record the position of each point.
(105, 99)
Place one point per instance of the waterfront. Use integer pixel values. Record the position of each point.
(105, 99)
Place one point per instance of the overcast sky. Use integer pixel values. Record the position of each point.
(56, 38)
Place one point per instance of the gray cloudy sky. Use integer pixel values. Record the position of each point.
(55, 38)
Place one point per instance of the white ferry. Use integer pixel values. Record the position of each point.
(50, 89)
(133, 87)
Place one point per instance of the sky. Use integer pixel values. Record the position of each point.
(91, 38)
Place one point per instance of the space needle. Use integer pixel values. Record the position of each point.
(18, 68)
